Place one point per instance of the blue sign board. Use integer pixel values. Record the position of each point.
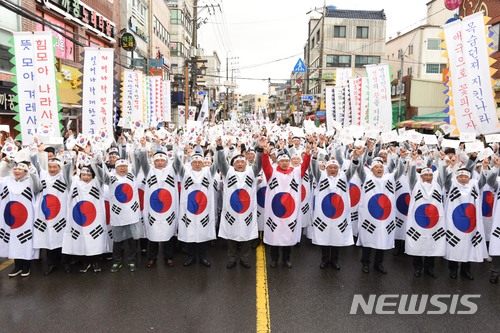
(307, 98)
(202, 93)
(300, 67)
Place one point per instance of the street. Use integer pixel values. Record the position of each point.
(304, 298)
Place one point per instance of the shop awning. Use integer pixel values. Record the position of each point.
(426, 125)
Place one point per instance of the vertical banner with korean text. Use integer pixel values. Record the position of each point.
(330, 108)
(379, 100)
(38, 112)
(182, 116)
(339, 105)
(167, 106)
(341, 76)
(97, 103)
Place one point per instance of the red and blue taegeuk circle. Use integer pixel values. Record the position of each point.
(124, 193)
(261, 196)
(15, 214)
(354, 194)
(464, 217)
(51, 206)
(380, 206)
(160, 200)
(283, 205)
(84, 213)
(402, 203)
(197, 202)
(240, 201)
(487, 206)
(427, 216)
(140, 193)
(332, 206)
(303, 193)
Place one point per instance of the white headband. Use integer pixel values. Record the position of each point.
(22, 166)
(283, 157)
(331, 162)
(121, 162)
(376, 162)
(463, 172)
(160, 156)
(56, 161)
(196, 157)
(426, 171)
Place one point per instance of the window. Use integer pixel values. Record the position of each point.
(434, 44)
(339, 31)
(361, 32)
(410, 49)
(338, 61)
(400, 53)
(318, 35)
(435, 68)
(496, 37)
(361, 61)
(410, 71)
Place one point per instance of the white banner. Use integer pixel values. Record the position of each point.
(167, 106)
(347, 107)
(204, 111)
(379, 89)
(132, 104)
(182, 116)
(339, 104)
(36, 85)
(330, 107)
(341, 76)
(191, 112)
(97, 101)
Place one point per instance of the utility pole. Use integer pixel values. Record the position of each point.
(400, 85)
(321, 48)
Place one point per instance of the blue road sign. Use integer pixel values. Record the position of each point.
(300, 67)
(307, 98)
(202, 93)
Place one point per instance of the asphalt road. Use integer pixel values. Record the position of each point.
(304, 298)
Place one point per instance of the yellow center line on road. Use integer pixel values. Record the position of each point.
(262, 294)
(6, 264)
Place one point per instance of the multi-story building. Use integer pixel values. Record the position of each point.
(212, 78)
(252, 103)
(341, 38)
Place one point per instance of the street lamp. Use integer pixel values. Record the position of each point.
(227, 85)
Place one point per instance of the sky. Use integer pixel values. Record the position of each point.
(265, 38)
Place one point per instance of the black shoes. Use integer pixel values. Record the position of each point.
(152, 263)
(335, 266)
(417, 272)
(244, 264)
(189, 262)
(494, 278)
(85, 268)
(379, 268)
(96, 267)
(431, 273)
(453, 273)
(231, 264)
(288, 263)
(323, 265)
(51, 269)
(274, 263)
(15, 272)
(67, 268)
(467, 275)
(366, 268)
(205, 262)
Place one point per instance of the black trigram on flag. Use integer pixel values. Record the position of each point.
(474, 193)
(27, 194)
(248, 181)
(143, 181)
(231, 181)
(368, 226)
(115, 209)
(204, 221)
(188, 183)
(5, 192)
(248, 219)
(454, 194)
(170, 180)
(259, 213)
(60, 186)
(370, 185)
(74, 234)
(216, 185)
(113, 179)
(341, 184)
(451, 238)
(44, 184)
(398, 185)
(130, 177)
(97, 232)
(343, 226)
(496, 233)
(75, 193)
(135, 206)
(170, 219)
(419, 195)
(437, 196)
(324, 184)
(476, 239)
(110, 234)
(60, 225)
(318, 223)
(229, 218)
(271, 224)
(4, 235)
(390, 227)
(305, 208)
(25, 236)
(186, 220)
(306, 177)
(414, 234)
(438, 234)
(354, 216)
(292, 225)
(273, 184)
(40, 225)
(151, 219)
(152, 180)
(94, 191)
(205, 183)
(399, 222)
(389, 187)
(294, 185)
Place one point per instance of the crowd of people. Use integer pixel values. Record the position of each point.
(165, 188)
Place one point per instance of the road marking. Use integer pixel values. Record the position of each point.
(6, 264)
(262, 294)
